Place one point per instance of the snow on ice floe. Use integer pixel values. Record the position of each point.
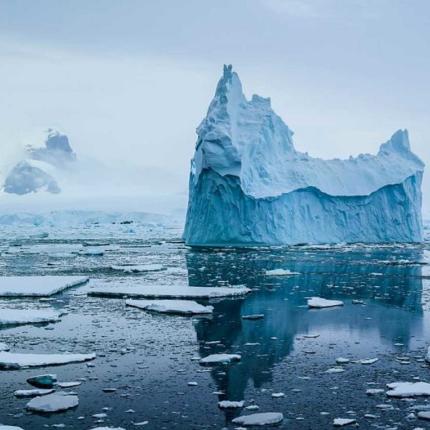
(220, 359)
(10, 316)
(230, 404)
(245, 158)
(52, 403)
(319, 303)
(178, 307)
(167, 291)
(281, 272)
(37, 286)
(260, 419)
(130, 268)
(408, 389)
(37, 392)
(10, 360)
(341, 422)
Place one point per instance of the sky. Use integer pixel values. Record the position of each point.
(129, 81)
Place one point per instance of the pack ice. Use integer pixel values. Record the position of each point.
(248, 184)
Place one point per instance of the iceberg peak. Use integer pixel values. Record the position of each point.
(249, 184)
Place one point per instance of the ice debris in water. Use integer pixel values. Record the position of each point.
(319, 303)
(9, 360)
(281, 272)
(341, 422)
(33, 393)
(4, 346)
(52, 403)
(4, 427)
(43, 381)
(259, 419)
(167, 291)
(230, 404)
(37, 286)
(220, 359)
(138, 268)
(178, 307)
(408, 389)
(11, 316)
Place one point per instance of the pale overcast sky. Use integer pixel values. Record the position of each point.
(130, 80)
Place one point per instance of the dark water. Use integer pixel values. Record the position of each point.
(151, 358)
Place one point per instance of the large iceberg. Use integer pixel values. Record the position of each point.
(248, 185)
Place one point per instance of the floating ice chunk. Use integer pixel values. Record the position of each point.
(168, 291)
(33, 393)
(373, 391)
(10, 316)
(340, 422)
(56, 402)
(369, 360)
(424, 415)
(70, 384)
(229, 404)
(260, 419)
(138, 268)
(336, 369)
(342, 360)
(178, 307)
(3, 427)
(319, 303)
(408, 389)
(253, 317)
(92, 252)
(4, 346)
(281, 272)
(43, 381)
(9, 360)
(220, 359)
(278, 395)
(37, 286)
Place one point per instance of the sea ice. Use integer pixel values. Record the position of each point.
(9, 360)
(220, 359)
(37, 286)
(408, 389)
(4, 346)
(230, 404)
(280, 272)
(138, 268)
(179, 307)
(340, 422)
(10, 316)
(56, 402)
(260, 419)
(167, 291)
(319, 303)
(4, 427)
(33, 393)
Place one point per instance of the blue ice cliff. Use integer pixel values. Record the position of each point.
(249, 186)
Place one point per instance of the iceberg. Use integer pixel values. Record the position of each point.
(249, 186)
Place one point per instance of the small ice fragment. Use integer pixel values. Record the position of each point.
(369, 360)
(340, 422)
(336, 369)
(33, 393)
(342, 360)
(281, 272)
(130, 268)
(259, 419)
(373, 391)
(229, 404)
(56, 402)
(69, 384)
(319, 303)
(253, 317)
(175, 307)
(43, 381)
(220, 359)
(278, 395)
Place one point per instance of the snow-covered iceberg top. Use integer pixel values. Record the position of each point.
(245, 138)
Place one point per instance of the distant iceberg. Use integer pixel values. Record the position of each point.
(248, 185)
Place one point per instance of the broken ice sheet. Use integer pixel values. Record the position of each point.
(11, 316)
(52, 403)
(176, 307)
(259, 419)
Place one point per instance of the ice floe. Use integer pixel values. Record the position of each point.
(56, 402)
(10, 316)
(4, 346)
(43, 381)
(408, 389)
(319, 303)
(178, 307)
(281, 272)
(33, 393)
(167, 291)
(9, 360)
(229, 404)
(220, 359)
(37, 286)
(130, 268)
(341, 422)
(3, 427)
(260, 419)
